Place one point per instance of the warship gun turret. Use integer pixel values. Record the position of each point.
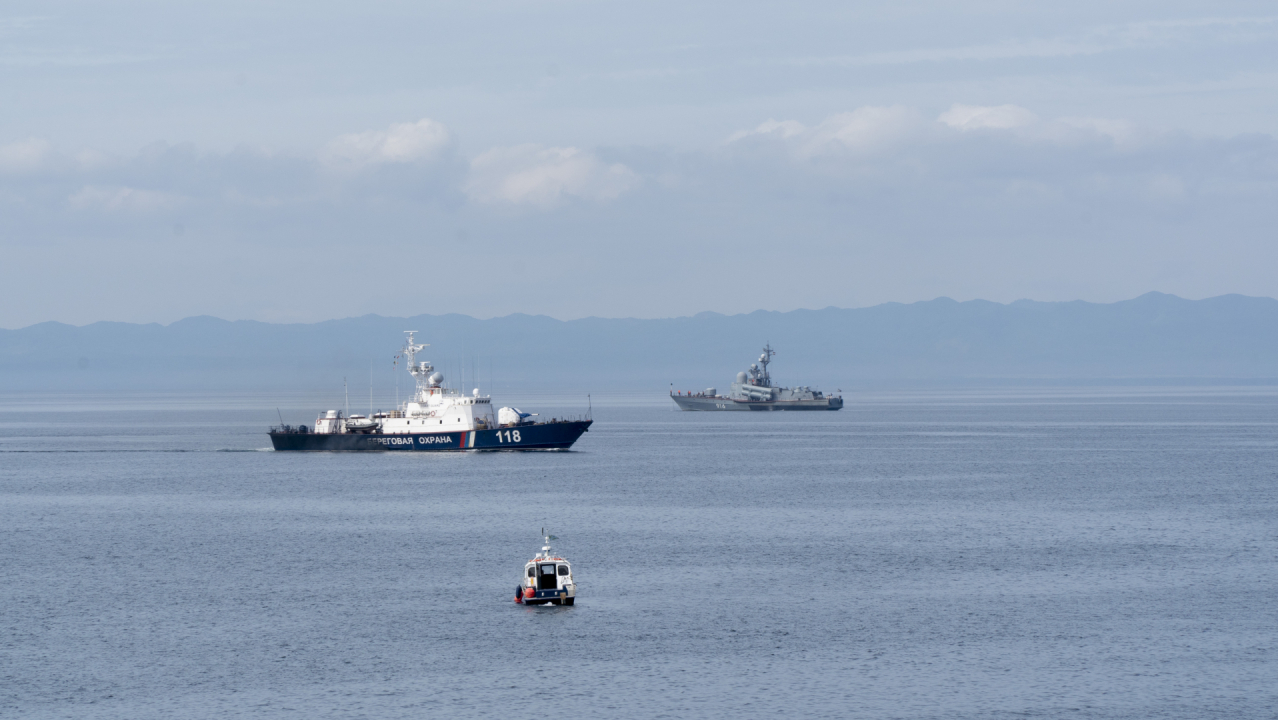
(753, 390)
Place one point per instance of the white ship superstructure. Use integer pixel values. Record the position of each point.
(434, 407)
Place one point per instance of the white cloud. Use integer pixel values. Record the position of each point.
(1122, 132)
(423, 140)
(783, 129)
(896, 186)
(864, 130)
(542, 176)
(28, 154)
(1027, 125)
(980, 117)
(118, 198)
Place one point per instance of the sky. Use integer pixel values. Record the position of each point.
(297, 162)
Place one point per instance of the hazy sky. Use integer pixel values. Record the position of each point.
(305, 161)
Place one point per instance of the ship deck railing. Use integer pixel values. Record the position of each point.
(290, 429)
(557, 420)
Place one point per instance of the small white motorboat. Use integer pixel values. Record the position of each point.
(547, 579)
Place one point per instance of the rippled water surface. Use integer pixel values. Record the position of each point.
(1073, 554)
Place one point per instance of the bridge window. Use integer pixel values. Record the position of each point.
(563, 569)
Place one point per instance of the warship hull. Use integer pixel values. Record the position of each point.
(538, 436)
(720, 404)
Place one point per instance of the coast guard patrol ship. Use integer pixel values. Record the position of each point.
(435, 418)
(754, 390)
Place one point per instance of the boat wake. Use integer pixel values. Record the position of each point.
(134, 450)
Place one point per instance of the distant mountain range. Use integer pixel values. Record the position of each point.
(1155, 337)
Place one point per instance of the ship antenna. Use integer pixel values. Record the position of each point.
(764, 359)
(410, 351)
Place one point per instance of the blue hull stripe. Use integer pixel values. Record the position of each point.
(547, 436)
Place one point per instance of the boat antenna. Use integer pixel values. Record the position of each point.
(590, 408)
(277, 412)
(347, 390)
(545, 549)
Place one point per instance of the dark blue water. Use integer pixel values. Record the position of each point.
(965, 555)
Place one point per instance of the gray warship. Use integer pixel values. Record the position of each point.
(754, 390)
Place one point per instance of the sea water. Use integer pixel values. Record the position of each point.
(1058, 553)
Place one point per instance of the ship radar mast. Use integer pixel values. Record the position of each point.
(421, 372)
(764, 359)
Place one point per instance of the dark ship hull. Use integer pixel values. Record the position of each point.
(538, 436)
(713, 404)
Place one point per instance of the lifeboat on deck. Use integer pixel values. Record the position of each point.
(361, 424)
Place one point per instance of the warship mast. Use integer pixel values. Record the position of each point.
(764, 359)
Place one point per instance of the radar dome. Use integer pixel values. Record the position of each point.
(741, 378)
(753, 366)
(437, 378)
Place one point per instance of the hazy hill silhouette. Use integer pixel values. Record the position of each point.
(1155, 336)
